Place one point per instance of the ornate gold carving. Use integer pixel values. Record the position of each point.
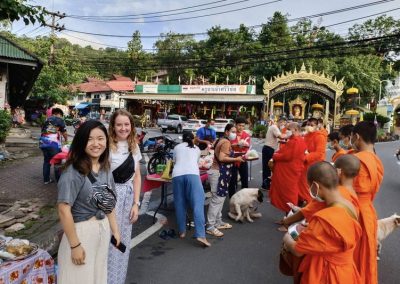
(297, 108)
(317, 77)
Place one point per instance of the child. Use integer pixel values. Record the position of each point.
(125, 156)
(329, 240)
(85, 198)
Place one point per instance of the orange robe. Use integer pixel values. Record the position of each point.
(314, 206)
(366, 185)
(328, 245)
(288, 166)
(316, 146)
(338, 154)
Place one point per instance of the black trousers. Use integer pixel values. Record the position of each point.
(243, 170)
(267, 153)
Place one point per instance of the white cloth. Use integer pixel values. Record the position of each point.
(186, 160)
(120, 155)
(94, 236)
(271, 139)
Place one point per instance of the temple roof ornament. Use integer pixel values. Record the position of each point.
(318, 77)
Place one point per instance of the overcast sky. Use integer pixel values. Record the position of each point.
(251, 16)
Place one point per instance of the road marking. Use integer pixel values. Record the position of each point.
(161, 219)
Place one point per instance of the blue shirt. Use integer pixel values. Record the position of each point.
(203, 132)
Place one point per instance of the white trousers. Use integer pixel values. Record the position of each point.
(94, 236)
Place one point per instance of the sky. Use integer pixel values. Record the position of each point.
(247, 16)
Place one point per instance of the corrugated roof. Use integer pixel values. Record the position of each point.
(9, 49)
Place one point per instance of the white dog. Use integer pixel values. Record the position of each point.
(243, 204)
(385, 227)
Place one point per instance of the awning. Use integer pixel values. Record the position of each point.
(196, 97)
(82, 105)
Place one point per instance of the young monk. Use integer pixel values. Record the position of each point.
(366, 185)
(333, 144)
(316, 148)
(288, 166)
(329, 240)
(347, 167)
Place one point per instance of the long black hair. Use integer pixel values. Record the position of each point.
(77, 156)
(188, 138)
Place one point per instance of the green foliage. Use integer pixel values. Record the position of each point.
(370, 116)
(14, 10)
(5, 125)
(260, 130)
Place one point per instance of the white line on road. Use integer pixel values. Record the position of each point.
(161, 219)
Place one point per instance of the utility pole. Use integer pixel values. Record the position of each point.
(54, 27)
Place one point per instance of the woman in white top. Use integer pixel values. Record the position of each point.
(124, 156)
(187, 188)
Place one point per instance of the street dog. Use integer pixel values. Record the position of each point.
(386, 226)
(243, 204)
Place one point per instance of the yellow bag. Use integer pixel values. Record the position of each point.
(167, 173)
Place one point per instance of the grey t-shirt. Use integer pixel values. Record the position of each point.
(76, 190)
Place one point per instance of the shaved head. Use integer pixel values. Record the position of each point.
(323, 173)
(349, 164)
(294, 125)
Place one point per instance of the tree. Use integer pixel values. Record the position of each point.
(13, 10)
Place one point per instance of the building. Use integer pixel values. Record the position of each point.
(100, 95)
(19, 70)
(393, 93)
(201, 101)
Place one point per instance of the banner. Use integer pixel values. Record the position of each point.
(216, 89)
(153, 89)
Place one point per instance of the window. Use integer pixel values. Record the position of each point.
(96, 96)
(80, 97)
(108, 96)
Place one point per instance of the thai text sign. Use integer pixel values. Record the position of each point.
(218, 89)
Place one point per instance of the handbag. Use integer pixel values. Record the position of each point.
(289, 264)
(104, 198)
(167, 173)
(125, 171)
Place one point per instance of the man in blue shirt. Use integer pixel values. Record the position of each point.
(206, 135)
(50, 140)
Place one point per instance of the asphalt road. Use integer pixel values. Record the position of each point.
(248, 253)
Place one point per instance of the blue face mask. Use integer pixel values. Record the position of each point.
(343, 146)
(330, 146)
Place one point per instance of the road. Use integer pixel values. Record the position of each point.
(248, 253)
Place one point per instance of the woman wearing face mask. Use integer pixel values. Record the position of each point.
(219, 177)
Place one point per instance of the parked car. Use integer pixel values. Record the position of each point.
(194, 124)
(220, 124)
(172, 122)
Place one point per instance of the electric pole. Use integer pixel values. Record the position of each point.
(54, 27)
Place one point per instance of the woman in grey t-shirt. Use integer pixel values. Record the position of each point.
(86, 201)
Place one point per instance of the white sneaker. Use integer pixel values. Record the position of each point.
(50, 181)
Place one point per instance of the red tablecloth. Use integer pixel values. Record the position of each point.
(39, 268)
(151, 184)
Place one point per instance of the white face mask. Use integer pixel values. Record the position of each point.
(232, 136)
(311, 128)
(315, 197)
(289, 134)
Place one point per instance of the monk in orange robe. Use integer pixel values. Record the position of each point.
(316, 148)
(366, 185)
(328, 242)
(321, 127)
(348, 167)
(288, 166)
(333, 144)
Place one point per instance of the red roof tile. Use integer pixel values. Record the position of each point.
(93, 87)
(121, 78)
(120, 86)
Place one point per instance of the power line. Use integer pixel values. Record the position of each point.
(208, 15)
(175, 49)
(160, 16)
(249, 27)
(152, 13)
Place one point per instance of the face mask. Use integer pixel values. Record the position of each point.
(211, 127)
(289, 134)
(343, 146)
(282, 127)
(315, 197)
(310, 128)
(232, 136)
(330, 146)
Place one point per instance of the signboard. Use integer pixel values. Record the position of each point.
(217, 89)
(153, 89)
